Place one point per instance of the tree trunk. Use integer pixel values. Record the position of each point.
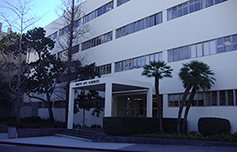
(158, 103)
(189, 86)
(187, 108)
(51, 116)
(84, 115)
(71, 36)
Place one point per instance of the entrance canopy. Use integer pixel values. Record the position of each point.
(108, 85)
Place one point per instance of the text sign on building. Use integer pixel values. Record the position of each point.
(89, 82)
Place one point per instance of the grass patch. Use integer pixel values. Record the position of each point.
(227, 137)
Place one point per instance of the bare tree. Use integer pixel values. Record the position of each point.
(73, 30)
(17, 15)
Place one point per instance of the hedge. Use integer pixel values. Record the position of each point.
(212, 126)
(126, 126)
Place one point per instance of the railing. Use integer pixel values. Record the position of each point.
(83, 122)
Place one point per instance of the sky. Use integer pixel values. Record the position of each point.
(40, 8)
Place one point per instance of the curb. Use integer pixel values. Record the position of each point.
(142, 140)
(63, 147)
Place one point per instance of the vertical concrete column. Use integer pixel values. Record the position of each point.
(108, 99)
(149, 102)
(113, 67)
(70, 108)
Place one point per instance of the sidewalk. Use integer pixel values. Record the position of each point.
(62, 142)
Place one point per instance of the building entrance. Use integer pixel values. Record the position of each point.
(132, 105)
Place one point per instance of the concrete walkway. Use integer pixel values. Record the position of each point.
(62, 142)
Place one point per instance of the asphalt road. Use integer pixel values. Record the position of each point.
(16, 148)
(134, 148)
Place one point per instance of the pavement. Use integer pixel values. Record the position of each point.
(79, 143)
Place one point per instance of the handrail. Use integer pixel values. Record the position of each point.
(79, 126)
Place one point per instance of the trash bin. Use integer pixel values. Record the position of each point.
(11, 132)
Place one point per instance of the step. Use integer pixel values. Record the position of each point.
(73, 137)
(80, 134)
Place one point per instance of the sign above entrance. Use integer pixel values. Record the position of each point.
(84, 83)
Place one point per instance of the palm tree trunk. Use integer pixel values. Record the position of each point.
(190, 101)
(158, 103)
(189, 86)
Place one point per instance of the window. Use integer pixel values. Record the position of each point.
(193, 51)
(234, 43)
(103, 9)
(197, 5)
(169, 14)
(174, 12)
(97, 41)
(190, 7)
(176, 54)
(170, 56)
(220, 45)
(222, 98)
(210, 98)
(227, 43)
(120, 2)
(206, 48)
(199, 50)
(209, 3)
(159, 18)
(180, 10)
(230, 97)
(213, 47)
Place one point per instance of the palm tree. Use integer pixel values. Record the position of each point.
(194, 75)
(159, 70)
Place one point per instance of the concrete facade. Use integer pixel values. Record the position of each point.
(209, 31)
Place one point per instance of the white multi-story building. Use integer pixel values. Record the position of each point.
(127, 34)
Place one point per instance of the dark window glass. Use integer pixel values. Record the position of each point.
(152, 21)
(169, 14)
(197, 5)
(217, 1)
(220, 45)
(191, 6)
(147, 22)
(170, 56)
(131, 28)
(222, 98)
(159, 18)
(185, 8)
(174, 12)
(227, 42)
(230, 97)
(214, 98)
(180, 10)
(176, 54)
(209, 3)
(234, 42)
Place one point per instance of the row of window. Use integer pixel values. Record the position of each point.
(102, 10)
(66, 28)
(97, 41)
(210, 98)
(224, 44)
(120, 2)
(190, 7)
(104, 69)
(172, 13)
(139, 25)
(64, 54)
(137, 62)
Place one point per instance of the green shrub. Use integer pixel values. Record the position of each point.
(126, 126)
(208, 126)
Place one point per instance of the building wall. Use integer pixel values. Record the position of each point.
(206, 24)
